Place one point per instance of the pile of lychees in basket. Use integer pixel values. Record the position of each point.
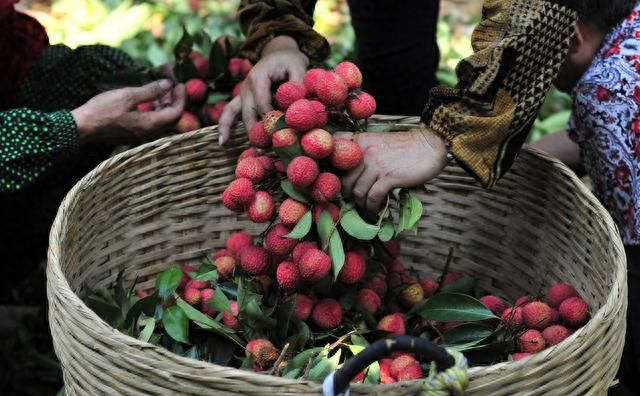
(323, 279)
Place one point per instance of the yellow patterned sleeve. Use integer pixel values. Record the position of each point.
(519, 47)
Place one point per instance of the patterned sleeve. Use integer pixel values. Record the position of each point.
(31, 142)
(519, 48)
(262, 20)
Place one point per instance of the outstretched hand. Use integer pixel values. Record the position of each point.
(112, 117)
(392, 160)
(281, 61)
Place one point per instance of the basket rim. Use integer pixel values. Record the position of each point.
(59, 228)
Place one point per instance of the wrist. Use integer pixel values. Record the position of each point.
(85, 132)
(283, 44)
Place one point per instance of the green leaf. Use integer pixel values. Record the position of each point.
(168, 282)
(359, 340)
(446, 307)
(176, 324)
(382, 127)
(218, 60)
(281, 124)
(302, 228)
(387, 232)
(119, 292)
(373, 374)
(300, 360)
(205, 322)
(284, 316)
(301, 336)
(467, 333)
(416, 211)
(331, 241)
(211, 276)
(214, 98)
(145, 305)
(184, 46)
(149, 325)
(219, 301)
(293, 374)
(325, 366)
(463, 285)
(287, 153)
(353, 224)
(288, 188)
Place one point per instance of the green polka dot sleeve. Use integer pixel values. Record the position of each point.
(30, 143)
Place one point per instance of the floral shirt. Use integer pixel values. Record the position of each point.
(605, 122)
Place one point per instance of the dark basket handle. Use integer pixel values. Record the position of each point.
(379, 349)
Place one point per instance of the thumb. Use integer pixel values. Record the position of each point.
(343, 135)
(148, 93)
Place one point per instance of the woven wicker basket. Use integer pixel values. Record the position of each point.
(159, 204)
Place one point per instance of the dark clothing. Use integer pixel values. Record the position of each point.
(630, 366)
(397, 52)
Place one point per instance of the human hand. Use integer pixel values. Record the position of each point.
(281, 60)
(112, 117)
(392, 160)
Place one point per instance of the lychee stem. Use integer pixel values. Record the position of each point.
(275, 366)
(446, 269)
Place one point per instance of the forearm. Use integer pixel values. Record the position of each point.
(485, 120)
(31, 143)
(560, 146)
(262, 21)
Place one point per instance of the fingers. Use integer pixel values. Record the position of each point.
(377, 194)
(350, 179)
(154, 122)
(147, 93)
(296, 72)
(363, 185)
(249, 115)
(262, 95)
(228, 117)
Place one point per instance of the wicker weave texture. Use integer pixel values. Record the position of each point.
(158, 205)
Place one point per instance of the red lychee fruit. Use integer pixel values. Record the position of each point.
(512, 317)
(555, 317)
(258, 137)
(302, 171)
(225, 266)
(262, 208)
(331, 89)
(537, 315)
(238, 241)
(196, 91)
(238, 67)
(276, 243)
(574, 311)
(314, 265)
(284, 137)
(361, 106)
(201, 63)
(255, 260)
(411, 372)
(267, 163)
(270, 121)
(288, 277)
(301, 249)
(280, 168)
(358, 378)
(327, 314)
(393, 247)
(531, 341)
(317, 143)
(378, 284)
(560, 292)
(230, 319)
(301, 116)
(192, 296)
(353, 268)
(144, 293)
(493, 303)
(555, 334)
(393, 323)
(321, 113)
(346, 154)
(333, 210)
(221, 253)
(185, 277)
(311, 78)
(194, 284)
(522, 301)
(405, 368)
(385, 372)
(290, 92)
(451, 277)
(236, 90)
(263, 283)
(263, 352)
(369, 300)
(303, 308)
(250, 168)
(291, 211)
(397, 266)
(213, 112)
(206, 295)
(520, 356)
(412, 295)
(429, 286)
(251, 152)
(187, 123)
(145, 107)
(238, 193)
(350, 74)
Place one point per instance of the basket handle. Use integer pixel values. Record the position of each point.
(337, 383)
